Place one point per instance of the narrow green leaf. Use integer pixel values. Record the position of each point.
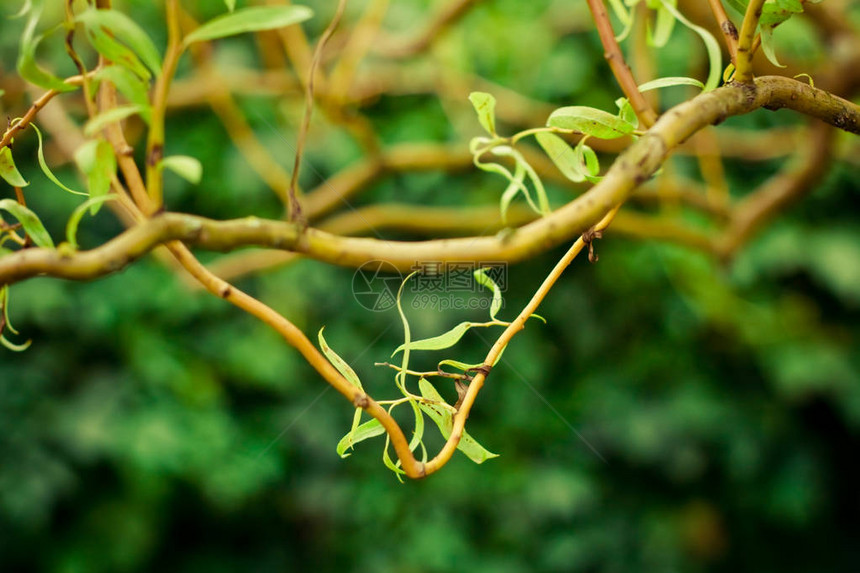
(187, 167)
(561, 154)
(339, 363)
(123, 28)
(102, 120)
(442, 417)
(462, 366)
(30, 221)
(249, 20)
(363, 432)
(75, 219)
(44, 165)
(669, 82)
(127, 82)
(121, 55)
(231, 4)
(712, 47)
(26, 65)
(589, 121)
(418, 433)
(97, 162)
(400, 377)
(389, 463)
(522, 168)
(482, 279)
(8, 171)
(446, 340)
(485, 107)
(663, 26)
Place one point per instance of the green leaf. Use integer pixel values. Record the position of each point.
(400, 377)
(339, 363)
(459, 365)
(442, 417)
(712, 47)
(587, 160)
(8, 171)
(118, 53)
(249, 20)
(590, 121)
(26, 65)
(97, 162)
(75, 220)
(626, 112)
(482, 278)
(123, 28)
(30, 221)
(44, 165)
(187, 167)
(231, 4)
(663, 26)
(485, 107)
(446, 340)
(363, 432)
(389, 463)
(669, 82)
(127, 82)
(561, 154)
(102, 120)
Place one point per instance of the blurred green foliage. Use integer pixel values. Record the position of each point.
(152, 427)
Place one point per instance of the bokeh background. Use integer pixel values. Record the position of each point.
(151, 427)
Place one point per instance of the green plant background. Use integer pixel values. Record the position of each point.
(152, 427)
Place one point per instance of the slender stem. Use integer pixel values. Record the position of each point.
(495, 352)
(743, 63)
(155, 140)
(613, 55)
(295, 208)
(730, 32)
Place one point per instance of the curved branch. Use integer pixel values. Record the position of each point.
(630, 170)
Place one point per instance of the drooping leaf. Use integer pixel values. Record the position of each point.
(30, 221)
(712, 47)
(97, 162)
(126, 30)
(589, 121)
(483, 279)
(115, 51)
(44, 165)
(339, 363)
(664, 24)
(365, 431)
(231, 4)
(8, 171)
(127, 83)
(252, 19)
(102, 120)
(443, 419)
(445, 340)
(561, 154)
(187, 167)
(485, 107)
(75, 219)
(26, 65)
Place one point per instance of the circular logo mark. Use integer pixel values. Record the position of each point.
(375, 285)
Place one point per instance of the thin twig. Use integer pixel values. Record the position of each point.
(743, 63)
(295, 208)
(613, 55)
